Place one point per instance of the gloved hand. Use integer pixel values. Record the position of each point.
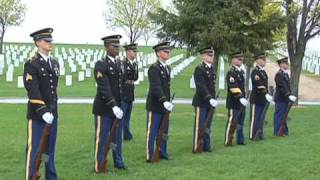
(243, 101)
(213, 102)
(269, 98)
(117, 112)
(292, 98)
(48, 117)
(168, 105)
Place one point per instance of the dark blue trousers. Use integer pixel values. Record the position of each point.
(232, 115)
(35, 129)
(126, 108)
(279, 114)
(256, 121)
(103, 127)
(199, 123)
(154, 121)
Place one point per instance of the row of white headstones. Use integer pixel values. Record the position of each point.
(311, 62)
(73, 58)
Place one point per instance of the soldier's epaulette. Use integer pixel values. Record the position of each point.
(34, 57)
(154, 65)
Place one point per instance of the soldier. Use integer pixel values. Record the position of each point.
(41, 74)
(108, 76)
(130, 69)
(204, 100)
(158, 100)
(236, 100)
(259, 97)
(283, 96)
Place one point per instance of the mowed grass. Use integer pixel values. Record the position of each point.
(293, 157)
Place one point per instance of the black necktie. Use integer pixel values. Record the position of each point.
(49, 62)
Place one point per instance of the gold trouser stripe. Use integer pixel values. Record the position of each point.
(97, 143)
(36, 101)
(148, 132)
(229, 124)
(253, 113)
(29, 149)
(196, 133)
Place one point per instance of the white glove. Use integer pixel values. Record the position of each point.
(269, 98)
(292, 98)
(117, 112)
(213, 102)
(168, 105)
(48, 117)
(243, 101)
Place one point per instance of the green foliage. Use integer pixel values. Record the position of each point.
(247, 26)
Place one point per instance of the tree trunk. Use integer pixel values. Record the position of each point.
(1, 42)
(296, 67)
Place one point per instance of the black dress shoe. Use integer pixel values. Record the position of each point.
(164, 157)
(122, 168)
(241, 144)
(207, 150)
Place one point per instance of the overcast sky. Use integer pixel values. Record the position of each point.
(74, 21)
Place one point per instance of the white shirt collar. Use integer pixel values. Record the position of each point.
(209, 65)
(111, 58)
(131, 61)
(163, 63)
(262, 68)
(285, 71)
(237, 68)
(45, 57)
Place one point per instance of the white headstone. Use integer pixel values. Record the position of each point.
(146, 72)
(20, 82)
(221, 73)
(1, 63)
(9, 76)
(62, 71)
(68, 80)
(192, 84)
(73, 68)
(88, 72)
(141, 76)
(81, 76)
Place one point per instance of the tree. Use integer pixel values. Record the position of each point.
(228, 25)
(130, 15)
(148, 32)
(12, 13)
(303, 24)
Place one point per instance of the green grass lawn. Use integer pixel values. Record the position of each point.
(293, 157)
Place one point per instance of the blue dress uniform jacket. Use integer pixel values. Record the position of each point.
(205, 79)
(108, 76)
(236, 90)
(130, 76)
(259, 79)
(159, 87)
(41, 81)
(283, 90)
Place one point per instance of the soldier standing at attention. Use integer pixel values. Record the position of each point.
(41, 74)
(259, 97)
(130, 69)
(106, 106)
(236, 100)
(283, 96)
(158, 100)
(204, 100)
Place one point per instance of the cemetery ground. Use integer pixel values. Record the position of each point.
(293, 157)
